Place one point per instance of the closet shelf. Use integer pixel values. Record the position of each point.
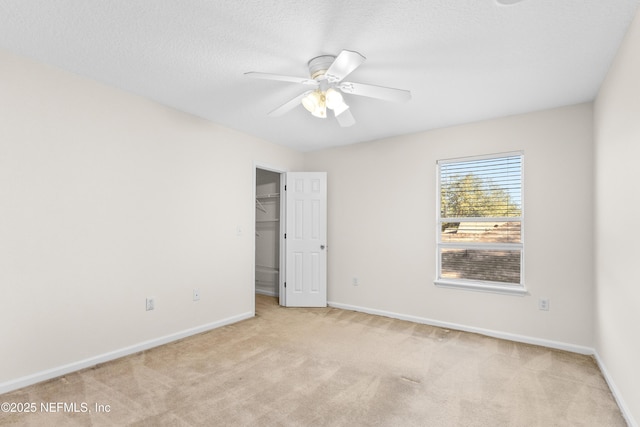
(267, 220)
(266, 269)
(267, 196)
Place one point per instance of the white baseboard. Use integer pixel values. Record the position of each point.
(488, 332)
(48, 374)
(626, 413)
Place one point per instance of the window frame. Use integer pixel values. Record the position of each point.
(470, 284)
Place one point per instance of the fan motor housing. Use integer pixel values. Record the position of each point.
(319, 65)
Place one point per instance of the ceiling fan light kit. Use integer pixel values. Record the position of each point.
(327, 73)
(318, 101)
(316, 104)
(335, 101)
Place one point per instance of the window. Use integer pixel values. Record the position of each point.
(480, 223)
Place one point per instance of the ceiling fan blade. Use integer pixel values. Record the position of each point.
(292, 79)
(289, 105)
(372, 91)
(343, 65)
(345, 119)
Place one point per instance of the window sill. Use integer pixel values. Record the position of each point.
(518, 290)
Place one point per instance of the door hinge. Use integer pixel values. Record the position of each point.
(285, 284)
(285, 235)
(285, 187)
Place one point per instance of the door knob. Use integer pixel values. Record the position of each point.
(322, 247)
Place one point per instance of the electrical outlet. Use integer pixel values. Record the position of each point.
(151, 303)
(355, 281)
(196, 294)
(543, 304)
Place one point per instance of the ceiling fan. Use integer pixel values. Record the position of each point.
(326, 87)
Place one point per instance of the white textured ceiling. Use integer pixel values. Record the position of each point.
(463, 60)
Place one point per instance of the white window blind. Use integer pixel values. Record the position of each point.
(480, 223)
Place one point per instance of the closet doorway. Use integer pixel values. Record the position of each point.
(293, 205)
(268, 232)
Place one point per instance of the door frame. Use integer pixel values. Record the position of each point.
(282, 223)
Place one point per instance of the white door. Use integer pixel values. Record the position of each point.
(306, 239)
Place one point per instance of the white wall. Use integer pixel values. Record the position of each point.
(105, 199)
(617, 215)
(382, 205)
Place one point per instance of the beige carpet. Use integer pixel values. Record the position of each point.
(317, 367)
